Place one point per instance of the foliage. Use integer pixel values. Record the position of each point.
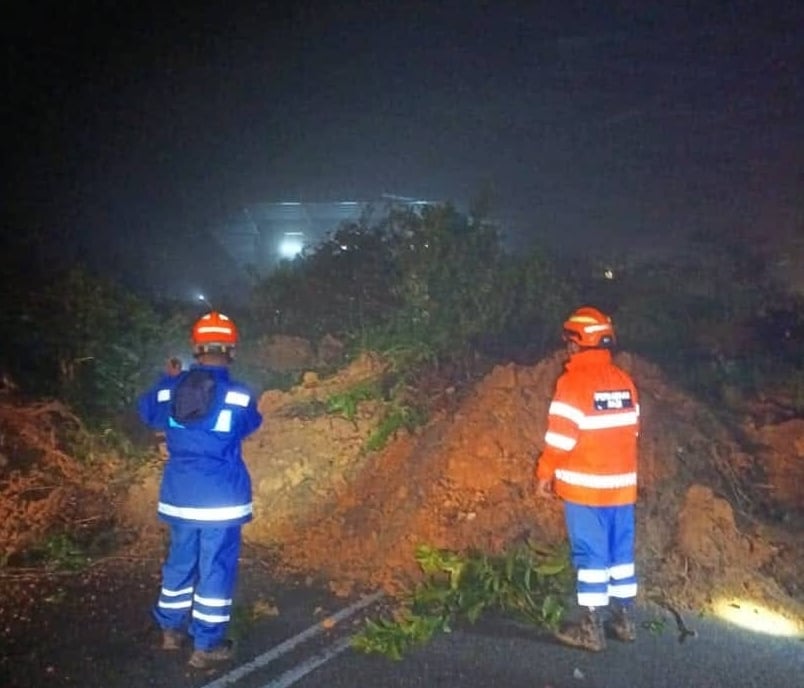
(430, 282)
(403, 356)
(426, 288)
(461, 291)
(450, 268)
(655, 625)
(105, 440)
(60, 552)
(528, 582)
(539, 295)
(713, 317)
(86, 341)
(420, 287)
(345, 403)
(340, 286)
(396, 417)
(432, 286)
(396, 414)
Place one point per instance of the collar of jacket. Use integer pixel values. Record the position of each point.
(218, 371)
(587, 357)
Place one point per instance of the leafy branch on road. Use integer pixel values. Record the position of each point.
(528, 583)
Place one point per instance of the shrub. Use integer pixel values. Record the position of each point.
(86, 341)
(430, 280)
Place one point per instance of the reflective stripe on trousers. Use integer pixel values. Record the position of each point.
(602, 547)
(198, 580)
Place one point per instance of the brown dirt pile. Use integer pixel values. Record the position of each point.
(44, 490)
(464, 481)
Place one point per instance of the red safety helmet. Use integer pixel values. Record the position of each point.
(589, 327)
(214, 333)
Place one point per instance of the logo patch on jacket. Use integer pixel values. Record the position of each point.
(613, 400)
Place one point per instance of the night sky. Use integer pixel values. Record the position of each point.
(586, 121)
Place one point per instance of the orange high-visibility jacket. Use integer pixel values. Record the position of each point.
(591, 440)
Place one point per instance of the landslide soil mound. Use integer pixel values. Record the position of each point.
(464, 481)
(719, 513)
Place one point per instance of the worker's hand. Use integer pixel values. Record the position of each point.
(544, 489)
(173, 366)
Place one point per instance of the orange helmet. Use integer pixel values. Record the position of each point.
(214, 332)
(588, 327)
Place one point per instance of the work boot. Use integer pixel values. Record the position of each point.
(586, 634)
(622, 626)
(206, 659)
(172, 639)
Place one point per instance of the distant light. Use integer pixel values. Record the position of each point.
(608, 273)
(757, 618)
(290, 247)
(290, 203)
(344, 247)
(203, 299)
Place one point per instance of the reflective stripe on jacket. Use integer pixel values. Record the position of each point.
(205, 481)
(591, 440)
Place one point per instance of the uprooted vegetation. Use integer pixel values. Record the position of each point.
(528, 583)
(57, 483)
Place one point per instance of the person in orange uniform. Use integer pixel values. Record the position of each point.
(590, 462)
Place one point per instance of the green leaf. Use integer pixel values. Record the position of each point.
(550, 568)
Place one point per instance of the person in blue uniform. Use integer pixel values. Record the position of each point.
(205, 494)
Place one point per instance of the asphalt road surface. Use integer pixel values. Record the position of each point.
(501, 654)
(305, 643)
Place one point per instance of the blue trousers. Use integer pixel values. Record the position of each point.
(198, 580)
(602, 548)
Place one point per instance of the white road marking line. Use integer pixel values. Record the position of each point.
(301, 670)
(289, 644)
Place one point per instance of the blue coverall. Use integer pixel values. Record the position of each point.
(205, 495)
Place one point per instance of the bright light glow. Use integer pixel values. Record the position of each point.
(290, 247)
(203, 299)
(756, 618)
(608, 273)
